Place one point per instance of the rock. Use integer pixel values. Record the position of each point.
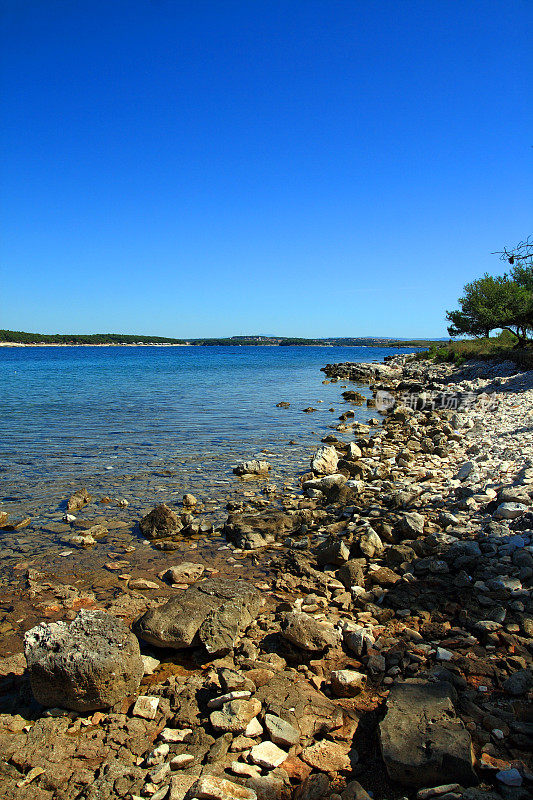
(180, 785)
(509, 777)
(305, 632)
(236, 694)
(173, 735)
(347, 682)
(211, 787)
(358, 639)
(181, 761)
(235, 715)
(280, 731)
(325, 460)
(351, 573)
(146, 707)
(354, 451)
(383, 577)
(211, 613)
(325, 484)
(231, 680)
(370, 544)
(465, 470)
(326, 756)
(77, 500)
(314, 787)
(82, 541)
(253, 729)
(187, 572)
(510, 510)
(423, 742)
(150, 664)
(253, 467)
(248, 770)
(411, 524)
(268, 755)
(189, 500)
(250, 531)
(295, 701)
(90, 664)
(142, 583)
(354, 791)
(160, 522)
(519, 682)
(269, 787)
(332, 551)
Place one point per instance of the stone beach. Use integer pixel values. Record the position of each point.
(366, 634)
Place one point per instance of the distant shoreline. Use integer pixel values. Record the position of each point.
(163, 344)
(101, 344)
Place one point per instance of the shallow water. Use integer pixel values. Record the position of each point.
(148, 424)
(98, 413)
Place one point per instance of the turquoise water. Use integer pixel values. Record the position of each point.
(106, 415)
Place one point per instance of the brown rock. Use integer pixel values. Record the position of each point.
(160, 522)
(78, 500)
(327, 756)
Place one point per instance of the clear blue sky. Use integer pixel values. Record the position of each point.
(307, 168)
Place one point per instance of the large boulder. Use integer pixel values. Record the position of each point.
(160, 522)
(90, 664)
(423, 742)
(325, 460)
(295, 701)
(212, 613)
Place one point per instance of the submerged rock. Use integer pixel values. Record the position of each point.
(212, 613)
(253, 467)
(90, 664)
(186, 572)
(78, 500)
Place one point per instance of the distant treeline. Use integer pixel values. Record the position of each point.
(21, 337)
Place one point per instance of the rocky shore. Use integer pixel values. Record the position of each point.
(378, 643)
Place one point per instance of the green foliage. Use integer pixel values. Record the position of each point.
(490, 303)
(503, 302)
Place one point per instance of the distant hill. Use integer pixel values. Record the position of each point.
(22, 337)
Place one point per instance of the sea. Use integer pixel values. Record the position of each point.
(92, 415)
(137, 426)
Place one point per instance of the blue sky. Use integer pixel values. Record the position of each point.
(307, 168)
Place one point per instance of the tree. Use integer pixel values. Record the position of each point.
(494, 302)
(521, 255)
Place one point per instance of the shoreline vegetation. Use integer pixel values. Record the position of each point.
(22, 338)
(504, 347)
